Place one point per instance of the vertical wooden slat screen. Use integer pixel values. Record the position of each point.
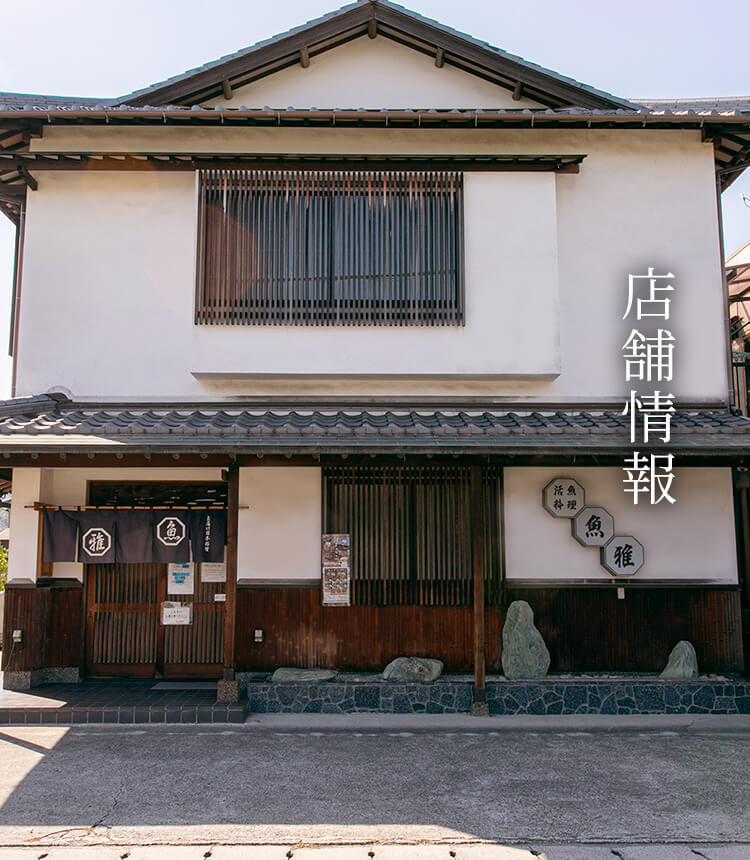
(410, 531)
(330, 248)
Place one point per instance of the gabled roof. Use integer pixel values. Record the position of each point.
(374, 18)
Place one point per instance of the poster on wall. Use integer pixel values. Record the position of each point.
(213, 571)
(181, 578)
(336, 570)
(176, 614)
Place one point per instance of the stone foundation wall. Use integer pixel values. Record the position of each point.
(48, 675)
(549, 696)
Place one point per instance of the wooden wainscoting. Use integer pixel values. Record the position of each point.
(51, 620)
(586, 629)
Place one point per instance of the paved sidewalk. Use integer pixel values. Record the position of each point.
(465, 722)
(115, 702)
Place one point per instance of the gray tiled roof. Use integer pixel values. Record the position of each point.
(42, 424)
(30, 100)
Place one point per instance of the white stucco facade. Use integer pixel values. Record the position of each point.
(113, 255)
(692, 540)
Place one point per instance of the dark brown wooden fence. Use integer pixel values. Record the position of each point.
(586, 629)
(329, 248)
(410, 530)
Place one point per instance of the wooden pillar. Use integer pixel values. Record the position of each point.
(477, 561)
(230, 609)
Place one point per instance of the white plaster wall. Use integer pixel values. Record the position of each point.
(112, 255)
(372, 73)
(690, 540)
(28, 487)
(279, 534)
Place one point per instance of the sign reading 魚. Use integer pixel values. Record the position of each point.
(564, 497)
(336, 573)
(593, 527)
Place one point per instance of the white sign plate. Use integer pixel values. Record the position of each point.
(593, 527)
(176, 614)
(623, 556)
(181, 578)
(213, 571)
(563, 497)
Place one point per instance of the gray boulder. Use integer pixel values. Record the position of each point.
(524, 653)
(288, 675)
(682, 662)
(416, 669)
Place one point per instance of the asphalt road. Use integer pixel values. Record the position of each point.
(194, 785)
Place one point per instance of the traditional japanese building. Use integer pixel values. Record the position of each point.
(372, 279)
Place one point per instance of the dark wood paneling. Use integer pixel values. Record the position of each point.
(51, 622)
(586, 629)
(20, 612)
(64, 627)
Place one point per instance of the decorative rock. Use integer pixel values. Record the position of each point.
(524, 653)
(682, 662)
(419, 669)
(288, 675)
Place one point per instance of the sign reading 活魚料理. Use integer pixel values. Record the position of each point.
(564, 497)
(336, 570)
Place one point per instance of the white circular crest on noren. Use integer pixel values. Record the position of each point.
(170, 531)
(623, 556)
(97, 542)
(563, 497)
(593, 527)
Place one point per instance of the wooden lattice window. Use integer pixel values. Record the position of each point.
(410, 531)
(330, 248)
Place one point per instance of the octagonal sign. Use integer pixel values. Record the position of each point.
(623, 556)
(563, 497)
(171, 531)
(97, 542)
(593, 527)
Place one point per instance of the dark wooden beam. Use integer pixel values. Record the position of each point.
(187, 163)
(304, 57)
(12, 196)
(499, 63)
(226, 89)
(372, 28)
(27, 177)
(518, 91)
(440, 58)
(277, 54)
(230, 608)
(477, 562)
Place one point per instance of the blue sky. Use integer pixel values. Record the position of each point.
(642, 48)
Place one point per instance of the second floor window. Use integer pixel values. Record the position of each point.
(330, 248)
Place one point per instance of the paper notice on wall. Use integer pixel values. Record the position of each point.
(336, 570)
(176, 614)
(181, 578)
(213, 571)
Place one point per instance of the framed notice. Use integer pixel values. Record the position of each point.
(336, 570)
(181, 578)
(213, 571)
(176, 614)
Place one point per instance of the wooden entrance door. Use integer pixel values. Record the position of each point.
(124, 634)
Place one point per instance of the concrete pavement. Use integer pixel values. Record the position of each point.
(667, 792)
